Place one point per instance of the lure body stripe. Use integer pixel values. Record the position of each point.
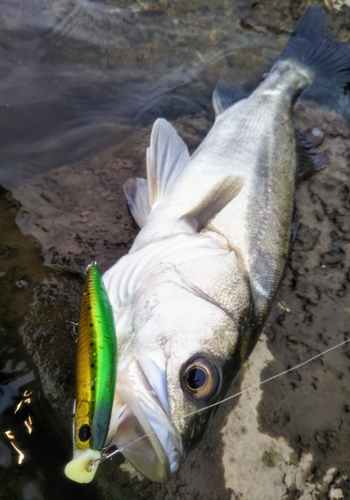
(96, 365)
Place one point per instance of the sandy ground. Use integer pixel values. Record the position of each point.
(288, 439)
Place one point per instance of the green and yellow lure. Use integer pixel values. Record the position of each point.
(96, 375)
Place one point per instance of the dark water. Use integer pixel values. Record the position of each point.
(30, 455)
(78, 75)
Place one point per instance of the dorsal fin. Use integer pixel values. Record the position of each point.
(167, 156)
(217, 198)
(225, 96)
(310, 160)
(136, 192)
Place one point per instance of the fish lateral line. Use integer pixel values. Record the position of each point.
(91, 465)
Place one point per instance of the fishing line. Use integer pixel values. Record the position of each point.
(91, 465)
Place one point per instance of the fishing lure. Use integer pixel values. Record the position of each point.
(96, 375)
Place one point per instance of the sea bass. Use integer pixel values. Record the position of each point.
(191, 297)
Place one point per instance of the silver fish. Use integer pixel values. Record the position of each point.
(191, 297)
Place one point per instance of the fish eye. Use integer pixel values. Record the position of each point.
(200, 378)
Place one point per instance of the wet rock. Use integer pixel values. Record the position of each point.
(21, 284)
(334, 256)
(336, 494)
(308, 237)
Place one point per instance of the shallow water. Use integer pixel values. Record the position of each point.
(80, 81)
(78, 75)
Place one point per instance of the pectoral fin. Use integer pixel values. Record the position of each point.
(136, 193)
(218, 197)
(167, 156)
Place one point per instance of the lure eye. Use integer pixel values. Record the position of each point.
(200, 378)
(84, 433)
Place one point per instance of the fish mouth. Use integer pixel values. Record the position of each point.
(144, 432)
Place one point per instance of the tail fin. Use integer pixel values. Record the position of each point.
(312, 45)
